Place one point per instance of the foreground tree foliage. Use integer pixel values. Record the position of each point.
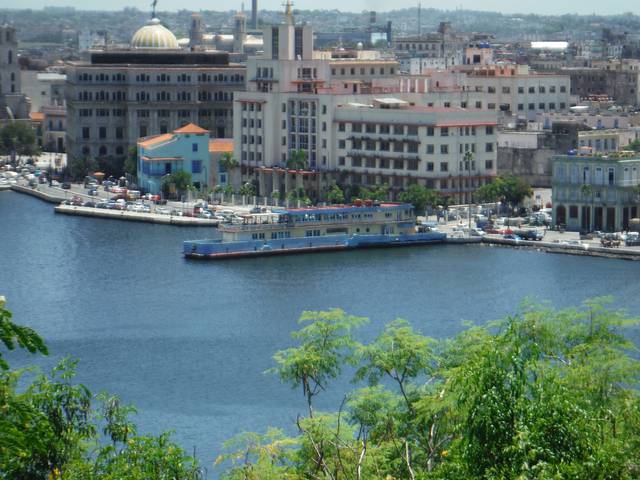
(544, 394)
(52, 428)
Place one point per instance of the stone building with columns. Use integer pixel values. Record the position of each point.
(153, 87)
(595, 192)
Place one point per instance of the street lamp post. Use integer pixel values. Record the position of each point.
(468, 157)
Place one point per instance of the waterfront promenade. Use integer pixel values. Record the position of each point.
(553, 241)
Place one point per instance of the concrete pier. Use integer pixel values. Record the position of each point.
(135, 216)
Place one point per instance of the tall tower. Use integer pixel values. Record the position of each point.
(196, 33)
(254, 14)
(239, 32)
(12, 102)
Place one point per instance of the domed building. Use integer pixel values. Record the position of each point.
(150, 87)
(154, 35)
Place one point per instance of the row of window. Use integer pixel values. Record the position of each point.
(409, 147)
(251, 139)
(251, 106)
(164, 96)
(251, 123)
(143, 113)
(103, 151)
(251, 156)
(362, 71)
(541, 89)
(413, 165)
(410, 130)
(160, 78)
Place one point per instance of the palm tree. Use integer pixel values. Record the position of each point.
(298, 160)
(229, 163)
(587, 191)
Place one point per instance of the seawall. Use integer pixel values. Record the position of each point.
(135, 216)
(549, 247)
(37, 193)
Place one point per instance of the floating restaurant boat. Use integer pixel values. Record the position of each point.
(316, 229)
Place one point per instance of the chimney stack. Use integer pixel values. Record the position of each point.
(254, 14)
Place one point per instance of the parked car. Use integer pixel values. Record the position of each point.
(530, 234)
(476, 232)
(66, 185)
(511, 236)
(92, 192)
(89, 204)
(632, 240)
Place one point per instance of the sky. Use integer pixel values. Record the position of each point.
(553, 7)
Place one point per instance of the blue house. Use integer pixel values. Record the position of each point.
(186, 149)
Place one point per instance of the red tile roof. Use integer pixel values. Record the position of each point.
(191, 128)
(221, 145)
(155, 140)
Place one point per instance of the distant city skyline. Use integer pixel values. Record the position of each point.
(543, 7)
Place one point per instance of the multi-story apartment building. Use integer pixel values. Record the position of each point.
(441, 49)
(398, 143)
(153, 87)
(595, 192)
(617, 79)
(298, 99)
(517, 89)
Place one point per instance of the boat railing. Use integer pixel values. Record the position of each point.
(281, 225)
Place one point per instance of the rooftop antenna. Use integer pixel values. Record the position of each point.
(419, 19)
(153, 8)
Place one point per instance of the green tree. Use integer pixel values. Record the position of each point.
(176, 184)
(80, 167)
(335, 194)
(325, 346)
(378, 193)
(298, 194)
(420, 197)
(509, 189)
(298, 160)
(541, 394)
(635, 145)
(19, 137)
(230, 165)
(131, 161)
(12, 336)
(259, 457)
(50, 428)
(247, 190)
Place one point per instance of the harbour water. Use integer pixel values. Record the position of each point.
(187, 342)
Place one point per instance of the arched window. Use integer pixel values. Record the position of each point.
(102, 151)
(119, 150)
